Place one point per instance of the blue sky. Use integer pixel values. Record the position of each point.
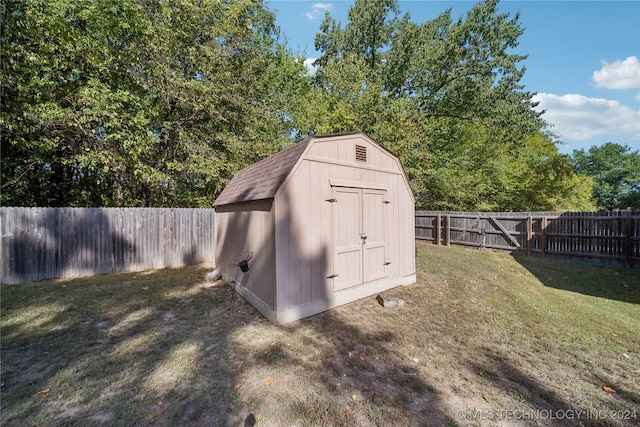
(583, 63)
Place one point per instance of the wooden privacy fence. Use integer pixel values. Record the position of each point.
(598, 237)
(46, 243)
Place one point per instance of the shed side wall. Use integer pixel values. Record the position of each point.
(243, 229)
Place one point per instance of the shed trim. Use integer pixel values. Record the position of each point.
(321, 305)
(357, 184)
(359, 165)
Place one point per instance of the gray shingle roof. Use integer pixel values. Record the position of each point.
(263, 179)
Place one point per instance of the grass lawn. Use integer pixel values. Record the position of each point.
(484, 339)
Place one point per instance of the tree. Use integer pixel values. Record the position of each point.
(445, 96)
(615, 171)
(139, 103)
(69, 101)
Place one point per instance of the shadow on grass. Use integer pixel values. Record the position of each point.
(167, 348)
(124, 349)
(342, 373)
(604, 282)
(541, 404)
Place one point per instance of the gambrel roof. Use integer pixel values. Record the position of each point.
(263, 179)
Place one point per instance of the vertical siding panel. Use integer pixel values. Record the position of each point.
(282, 213)
(306, 192)
(295, 242)
(314, 188)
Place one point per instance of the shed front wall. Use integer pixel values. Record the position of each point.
(248, 229)
(304, 219)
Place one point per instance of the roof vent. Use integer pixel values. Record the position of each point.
(361, 153)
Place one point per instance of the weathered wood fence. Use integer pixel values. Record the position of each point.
(46, 243)
(598, 237)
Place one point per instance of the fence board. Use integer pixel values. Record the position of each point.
(599, 237)
(47, 243)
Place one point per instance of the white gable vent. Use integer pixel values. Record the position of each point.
(361, 153)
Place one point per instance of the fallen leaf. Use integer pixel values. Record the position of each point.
(269, 382)
(608, 389)
(625, 355)
(43, 391)
(354, 397)
(145, 288)
(160, 401)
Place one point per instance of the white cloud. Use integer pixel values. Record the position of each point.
(318, 9)
(579, 118)
(311, 69)
(619, 74)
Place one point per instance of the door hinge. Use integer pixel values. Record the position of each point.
(333, 276)
(387, 263)
(331, 200)
(386, 202)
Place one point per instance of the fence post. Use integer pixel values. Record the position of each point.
(543, 243)
(627, 240)
(438, 229)
(447, 230)
(529, 235)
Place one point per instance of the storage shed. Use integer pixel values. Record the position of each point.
(322, 223)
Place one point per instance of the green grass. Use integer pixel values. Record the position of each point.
(480, 332)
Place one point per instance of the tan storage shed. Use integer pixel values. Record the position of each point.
(325, 222)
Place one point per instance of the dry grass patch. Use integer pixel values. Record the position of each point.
(480, 333)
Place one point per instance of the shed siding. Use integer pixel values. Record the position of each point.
(304, 219)
(342, 149)
(248, 228)
(292, 234)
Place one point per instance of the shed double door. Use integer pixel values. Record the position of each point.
(359, 236)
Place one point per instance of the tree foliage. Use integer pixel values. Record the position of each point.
(445, 95)
(615, 171)
(148, 103)
(138, 103)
